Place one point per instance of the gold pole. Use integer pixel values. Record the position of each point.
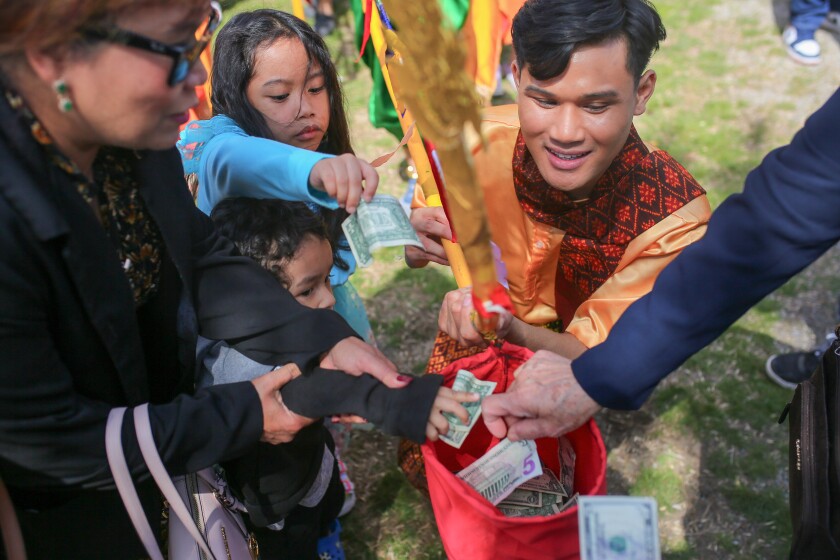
(297, 9)
(381, 39)
(429, 66)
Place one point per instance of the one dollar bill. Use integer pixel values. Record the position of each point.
(618, 528)
(546, 510)
(497, 473)
(524, 498)
(379, 223)
(567, 455)
(458, 431)
(546, 483)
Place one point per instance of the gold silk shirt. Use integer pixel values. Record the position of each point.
(534, 252)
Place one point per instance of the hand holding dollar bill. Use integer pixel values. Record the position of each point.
(379, 223)
(458, 431)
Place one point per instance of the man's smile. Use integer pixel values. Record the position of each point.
(565, 159)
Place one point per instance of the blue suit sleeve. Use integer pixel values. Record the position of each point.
(240, 165)
(787, 216)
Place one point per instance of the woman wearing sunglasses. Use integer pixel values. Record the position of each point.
(108, 271)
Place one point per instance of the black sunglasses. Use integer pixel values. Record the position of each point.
(183, 56)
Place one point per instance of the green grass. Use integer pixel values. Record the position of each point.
(733, 412)
(661, 481)
(397, 506)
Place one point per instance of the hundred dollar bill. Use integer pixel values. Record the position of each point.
(618, 528)
(458, 431)
(379, 223)
(498, 472)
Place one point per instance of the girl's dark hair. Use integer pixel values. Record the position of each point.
(270, 231)
(547, 32)
(233, 68)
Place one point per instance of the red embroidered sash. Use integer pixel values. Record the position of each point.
(639, 189)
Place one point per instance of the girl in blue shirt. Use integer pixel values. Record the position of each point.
(280, 131)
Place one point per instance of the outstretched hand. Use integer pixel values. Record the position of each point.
(345, 178)
(456, 318)
(449, 401)
(279, 423)
(545, 400)
(431, 226)
(355, 357)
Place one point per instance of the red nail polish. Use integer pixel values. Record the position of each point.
(405, 378)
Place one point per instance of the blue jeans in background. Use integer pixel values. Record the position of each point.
(807, 15)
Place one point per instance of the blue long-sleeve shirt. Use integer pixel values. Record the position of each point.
(787, 216)
(228, 162)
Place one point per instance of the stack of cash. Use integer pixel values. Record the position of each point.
(502, 469)
(510, 475)
(546, 494)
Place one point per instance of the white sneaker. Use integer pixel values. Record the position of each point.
(803, 51)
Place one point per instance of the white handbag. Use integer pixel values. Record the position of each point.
(206, 524)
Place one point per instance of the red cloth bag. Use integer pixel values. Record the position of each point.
(470, 526)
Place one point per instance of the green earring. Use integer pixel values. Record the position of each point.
(65, 104)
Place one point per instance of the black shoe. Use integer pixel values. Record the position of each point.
(324, 25)
(789, 370)
(832, 23)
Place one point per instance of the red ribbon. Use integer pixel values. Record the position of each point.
(437, 174)
(366, 31)
(498, 296)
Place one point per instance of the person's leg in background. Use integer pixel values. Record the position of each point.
(790, 369)
(806, 16)
(832, 20)
(324, 18)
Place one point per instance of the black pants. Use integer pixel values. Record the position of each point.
(302, 527)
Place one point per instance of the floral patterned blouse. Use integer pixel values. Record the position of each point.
(120, 208)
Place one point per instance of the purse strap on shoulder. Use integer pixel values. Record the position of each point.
(150, 454)
(125, 485)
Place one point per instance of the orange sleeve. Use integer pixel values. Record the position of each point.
(643, 260)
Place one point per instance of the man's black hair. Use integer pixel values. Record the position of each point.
(270, 231)
(547, 32)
